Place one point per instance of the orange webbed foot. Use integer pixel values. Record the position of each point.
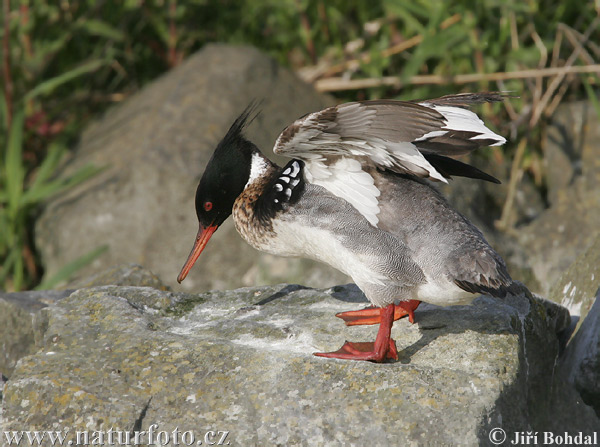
(363, 351)
(382, 349)
(372, 315)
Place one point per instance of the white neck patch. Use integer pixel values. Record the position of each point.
(258, 167)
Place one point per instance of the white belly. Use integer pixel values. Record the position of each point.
(291, 237)
(295, 239)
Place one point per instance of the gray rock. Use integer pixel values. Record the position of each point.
(561, 234)
(154, 147)
(577, 287)
(569, 226)
(20, 311)
(3, 380)
(578, 290)
(122, 275)
(482, 202)
(581, 362)
(241, 361)
(571, 147)
(17, 313)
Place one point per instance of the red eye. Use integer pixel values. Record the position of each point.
(207, 206)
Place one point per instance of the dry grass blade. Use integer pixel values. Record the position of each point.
(555, 83)
(593, 46)
(543, 59)
(366, 57)
(340, 84)
(516, 173)
(576, 42)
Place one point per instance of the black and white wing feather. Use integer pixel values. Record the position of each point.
(404, 137)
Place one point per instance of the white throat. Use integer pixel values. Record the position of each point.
(258, 167)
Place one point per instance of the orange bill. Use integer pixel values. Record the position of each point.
(202, 238)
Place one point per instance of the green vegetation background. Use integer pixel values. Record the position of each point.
(65, 61)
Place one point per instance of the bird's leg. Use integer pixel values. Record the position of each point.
(383, 347)
(371, 315)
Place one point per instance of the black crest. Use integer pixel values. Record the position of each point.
(235, 134)
(227, 171)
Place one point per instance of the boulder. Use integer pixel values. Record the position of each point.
(578, 290)
(559, 235)
(154, 148)
(571, 146)
(122, 275)
(241, 361)
(20, 312)
(577, 287)
(581, 362)
(563, 244)
(17, 314)
(564, 231)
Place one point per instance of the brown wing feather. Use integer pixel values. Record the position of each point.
(391, 134)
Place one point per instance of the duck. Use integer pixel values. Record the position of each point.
(359, 194)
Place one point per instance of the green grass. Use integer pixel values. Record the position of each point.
(21, 194)
(70, 60)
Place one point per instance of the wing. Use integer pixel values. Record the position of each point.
(405, 137)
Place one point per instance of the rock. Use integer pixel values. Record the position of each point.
(563, 232)
(577, 287)
(3, 380)
(128, 357)
(581, 362)
(482, 202)
(20, 311)
(17, 314)
(568, 227)
(578, 290)
(154, 147)
(122, 275)
(571, 147)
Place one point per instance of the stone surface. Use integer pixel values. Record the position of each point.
(569, 226)
(577, 287)
(482, 202)
(121, 275)
(3, 380)
(128, 357)
(563, 232)
(17, 313)
(581, 362)
(571, 147)
(578, 290)
(563, 244)
(154, 147)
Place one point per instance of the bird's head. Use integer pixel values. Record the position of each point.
(224, 178)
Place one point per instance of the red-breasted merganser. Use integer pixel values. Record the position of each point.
(355, 196)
